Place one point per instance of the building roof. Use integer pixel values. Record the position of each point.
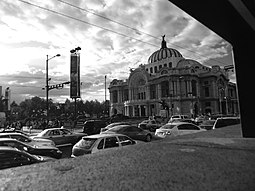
(163, 53)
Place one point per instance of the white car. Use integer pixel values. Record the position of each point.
(177, 117)
(177, 128)
(100, 142)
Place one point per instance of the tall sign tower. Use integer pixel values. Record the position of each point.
(75, 73)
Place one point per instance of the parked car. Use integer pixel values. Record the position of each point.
(200, 119)
(35, 150)
(60, 136)
(93, 126)
(150, 125)
(178, 128)
(132, 132)
(113, 125)
(118, 117)
(207, 124)
(13, 130)
(28, 139)
(12, 157)
(177, 117)
(226, 121)
(100, 142)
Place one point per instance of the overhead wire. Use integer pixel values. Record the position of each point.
(132, 28)
(110, 30)
(92, 24)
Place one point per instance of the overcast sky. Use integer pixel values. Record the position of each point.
(114, 36)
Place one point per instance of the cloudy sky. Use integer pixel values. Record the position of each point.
(114, 36)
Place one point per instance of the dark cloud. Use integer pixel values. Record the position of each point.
(10, 9)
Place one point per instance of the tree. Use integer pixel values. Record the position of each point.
(1, 103)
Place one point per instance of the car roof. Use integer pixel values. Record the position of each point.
(11, 133)
(178, 122)
(5, 148)
(104, 135)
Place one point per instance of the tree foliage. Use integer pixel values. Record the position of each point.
(36, 108)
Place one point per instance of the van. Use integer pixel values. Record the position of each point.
(92, 127)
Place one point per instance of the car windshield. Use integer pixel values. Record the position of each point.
(86, 142)
(167, 126)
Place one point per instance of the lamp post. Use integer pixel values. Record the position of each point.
(47, 85)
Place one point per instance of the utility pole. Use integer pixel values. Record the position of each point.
(105, 107)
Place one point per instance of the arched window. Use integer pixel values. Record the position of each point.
(155, 69)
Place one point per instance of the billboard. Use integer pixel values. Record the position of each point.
(75, 75)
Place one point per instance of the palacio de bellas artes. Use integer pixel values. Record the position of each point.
(170, 84)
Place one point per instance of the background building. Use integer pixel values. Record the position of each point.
(170, 84)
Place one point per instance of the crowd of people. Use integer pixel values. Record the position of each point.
(33, 124)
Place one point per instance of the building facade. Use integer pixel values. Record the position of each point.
(169, 84)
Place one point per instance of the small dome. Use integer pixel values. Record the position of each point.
(163, 53)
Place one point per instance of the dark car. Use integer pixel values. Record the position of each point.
(150, 125)
(132, 132)
(12, 157)
(35, 150)
(118, 117)
(93, 126)
(226, 121)
(100, 142)
(60, 136)
(113, 125)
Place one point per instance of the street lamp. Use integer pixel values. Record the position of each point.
(47, 85)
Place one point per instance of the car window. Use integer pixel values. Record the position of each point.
(125, 140)
(65, 132)
(167, 126)
(54, 132)
(187, 127)
(89, 123)
(111, 142)
(101, 144)
(5, 136)
(21, 138)
(86, 143)
(132, 129)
